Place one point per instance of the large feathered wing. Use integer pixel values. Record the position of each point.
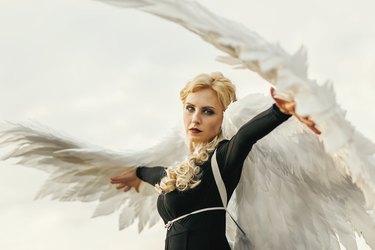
(330, 181)
(292, 194)
(247, 49)
(81, 173)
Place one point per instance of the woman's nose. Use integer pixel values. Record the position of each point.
(196, 118)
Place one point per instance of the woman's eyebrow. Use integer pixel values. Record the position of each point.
(204, 107)
(209, 107)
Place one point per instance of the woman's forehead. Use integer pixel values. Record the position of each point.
(203, 98)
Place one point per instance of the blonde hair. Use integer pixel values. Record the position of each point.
(185, 175)
(224, 88)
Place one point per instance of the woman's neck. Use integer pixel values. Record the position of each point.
(191, 148)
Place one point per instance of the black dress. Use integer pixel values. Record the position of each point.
(206, 230)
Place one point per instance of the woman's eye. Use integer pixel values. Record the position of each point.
(208, 111)
(190, 108)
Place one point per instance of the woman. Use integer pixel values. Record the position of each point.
(190, 185)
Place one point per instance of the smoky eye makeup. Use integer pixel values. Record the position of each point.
(189, 107)
(208, 111)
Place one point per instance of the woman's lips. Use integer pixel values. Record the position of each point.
(195, 130)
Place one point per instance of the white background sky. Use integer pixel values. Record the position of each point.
(111, 77)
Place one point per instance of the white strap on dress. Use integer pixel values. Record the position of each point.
(219, 181)
(221, 187)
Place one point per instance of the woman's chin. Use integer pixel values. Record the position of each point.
(196, 139)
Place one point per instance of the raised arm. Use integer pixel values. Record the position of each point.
(241, 143)
(231, 154)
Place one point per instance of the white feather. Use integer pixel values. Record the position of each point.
(293, 194)
(81, 173)
(287, 72)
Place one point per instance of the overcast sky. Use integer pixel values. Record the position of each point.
(111, 77)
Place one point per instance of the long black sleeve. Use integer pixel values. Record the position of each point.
(233, 153)
(151, 175)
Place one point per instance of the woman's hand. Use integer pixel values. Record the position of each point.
(127, 180)
(289, 107)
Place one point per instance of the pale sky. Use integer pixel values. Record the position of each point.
(110, 77)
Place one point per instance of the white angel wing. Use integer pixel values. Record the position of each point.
(288, 73)
(81, 173)
(292, 194)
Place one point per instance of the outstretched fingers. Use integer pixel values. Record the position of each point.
(116, 179)
(120, 186)
(127, 180)
(310, 124)
(124, 177)
(289, 107)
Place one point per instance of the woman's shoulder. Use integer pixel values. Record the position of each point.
(222, 143)
(222, 148)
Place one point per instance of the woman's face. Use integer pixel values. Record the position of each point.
(203, 115)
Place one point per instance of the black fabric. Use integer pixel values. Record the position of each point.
(206, 230)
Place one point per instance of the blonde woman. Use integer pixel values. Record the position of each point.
(190, 186)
